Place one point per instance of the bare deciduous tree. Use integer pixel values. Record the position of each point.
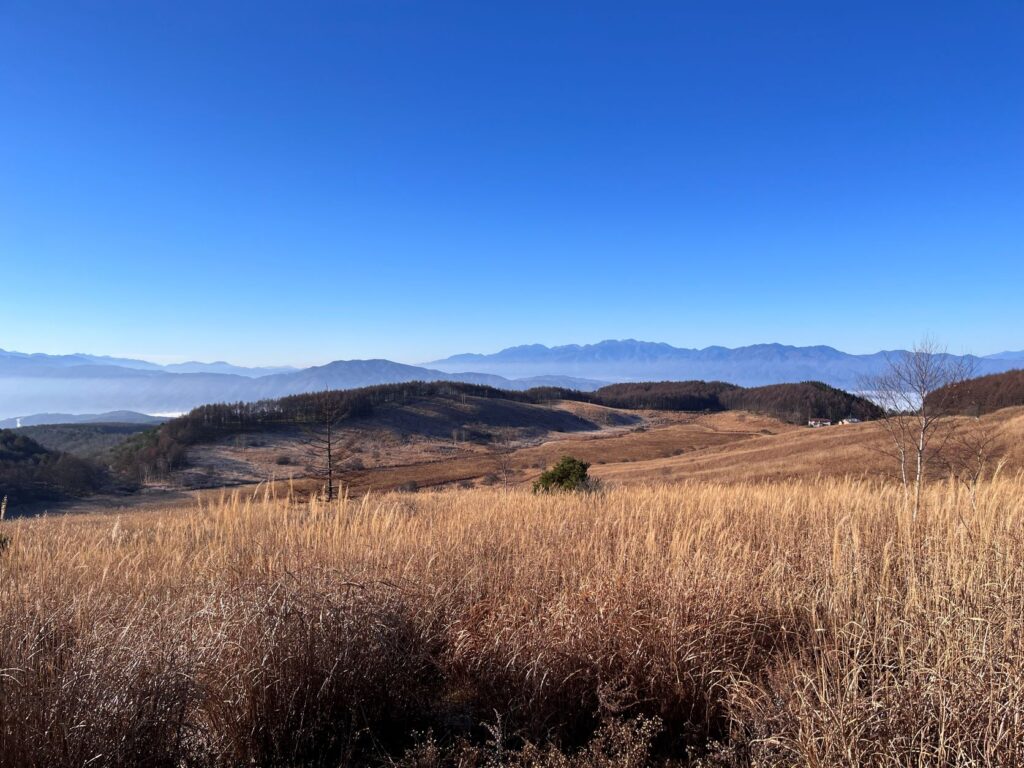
(503, 456)
(323, 442)
(916, 395)
(973, 453)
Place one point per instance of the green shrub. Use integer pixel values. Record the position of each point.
(569, 474)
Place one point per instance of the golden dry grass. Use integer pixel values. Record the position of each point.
(797, 623)
(857, 450)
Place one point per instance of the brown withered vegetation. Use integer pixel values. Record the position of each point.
(437, 409)
(987, 394)
(795, 623)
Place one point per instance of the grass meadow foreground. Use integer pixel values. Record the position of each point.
(798, 623)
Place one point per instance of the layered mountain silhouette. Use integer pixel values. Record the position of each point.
(24, 361)
(760, 364)
(83, 383)
(76, 384)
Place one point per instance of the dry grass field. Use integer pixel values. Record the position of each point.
(394, 449)
(624, 447)
(857, 450)
(796, 623)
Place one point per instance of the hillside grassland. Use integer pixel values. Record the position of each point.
(657, 446)
(791, 623)
(377, 457)
(853, 450)
(477, 414)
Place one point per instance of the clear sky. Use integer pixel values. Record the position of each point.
(301, 182)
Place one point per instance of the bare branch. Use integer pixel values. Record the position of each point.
(323, 441)
(916, 393)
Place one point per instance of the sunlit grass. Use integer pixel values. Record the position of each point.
(806, 623)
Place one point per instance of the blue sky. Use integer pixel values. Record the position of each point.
(269, 183)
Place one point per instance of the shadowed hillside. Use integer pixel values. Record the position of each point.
(29, 472)
(986, 394)
(439, 410)
(793, 403)
(86, 440)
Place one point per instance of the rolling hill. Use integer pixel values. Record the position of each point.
(409, 436)
(421, 421)
(793, 403)
(985, 394)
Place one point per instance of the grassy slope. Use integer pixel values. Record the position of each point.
(666, 447)
(394, 451)
(860, 450)
(482, 414)
(798, 623)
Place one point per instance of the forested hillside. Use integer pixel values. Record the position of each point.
(86, 440)
(156, 451)
(666, 395)
(29, 472)
(985, 393)
(793, 403)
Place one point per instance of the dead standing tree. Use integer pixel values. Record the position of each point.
(916, 393)
(503, 457)
(323, 441)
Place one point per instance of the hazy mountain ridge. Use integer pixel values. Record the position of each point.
(77, 358)
(81, 383)
(220, 366)
(34, 360)
(42, 384)
(755, 365)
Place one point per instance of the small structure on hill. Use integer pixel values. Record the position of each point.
(815, 423)
(850, 420)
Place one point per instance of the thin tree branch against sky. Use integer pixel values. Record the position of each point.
(176, 179)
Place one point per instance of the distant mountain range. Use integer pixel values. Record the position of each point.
(756, 365)
(79, 359)
(74, 384)
(1018, 356)
(82, 383)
